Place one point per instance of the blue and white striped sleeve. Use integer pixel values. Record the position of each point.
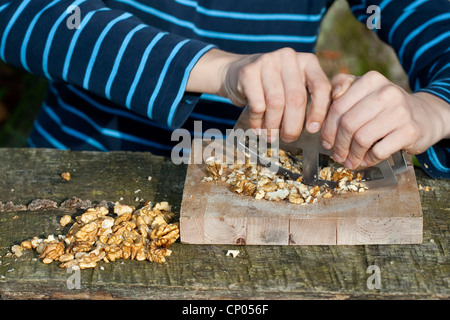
(112, 54)
(419, 32)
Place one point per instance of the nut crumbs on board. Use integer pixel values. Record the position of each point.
(260, 183)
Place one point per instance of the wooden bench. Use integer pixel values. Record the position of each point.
(415, 271)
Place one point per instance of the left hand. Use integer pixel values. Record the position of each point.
(370, 118)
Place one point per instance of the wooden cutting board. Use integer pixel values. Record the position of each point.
(212, 214)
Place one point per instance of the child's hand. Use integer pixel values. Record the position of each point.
(274, 85)
(370, 118)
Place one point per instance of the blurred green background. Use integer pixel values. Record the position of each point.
(344, 45)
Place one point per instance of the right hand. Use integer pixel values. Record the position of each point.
(275, 86)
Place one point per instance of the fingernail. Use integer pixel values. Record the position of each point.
(337, 158)
(326, 144)
(314, 127)
(336, 92)
(364, 163)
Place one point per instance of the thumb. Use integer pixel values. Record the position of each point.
(340, 83)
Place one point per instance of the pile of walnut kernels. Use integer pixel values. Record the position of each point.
(143, 234)
(259, 182)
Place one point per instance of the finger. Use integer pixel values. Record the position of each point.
(274, 98)
(367, 137)
(340, 83)
(253, 90)
(382, 150)
(353, 121)
(295, 104)
(368, 83)
(320, 90)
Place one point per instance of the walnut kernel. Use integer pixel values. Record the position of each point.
(65, 220)
(143, 234)
(66, 176)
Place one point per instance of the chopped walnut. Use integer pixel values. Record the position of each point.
(113, 253)
(65, 220)
(126, 252)
(261, 183)
(166, 231)
(142, 226)
(295, 197)
(66, 257)
(86, 262)
(327, 195)
(233, 253)
(52, 251)
(120, 209)
(35, 242)
(88, 232)
(158, 255)
(81, 246)
(214, 168)
(162, 206)
(259, 194)
(26, 245)
(249, 188)
(277, 194)
(426, 188)
(143, 234)
(17, 250)
(325, 173)
(69, 263)
(93, 213)
(66, 176)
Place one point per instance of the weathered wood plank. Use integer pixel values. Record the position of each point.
(201, 271)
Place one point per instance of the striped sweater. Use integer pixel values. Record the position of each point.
(117, 81)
